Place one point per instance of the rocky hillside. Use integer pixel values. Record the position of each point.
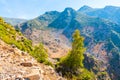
(101, 35)
(16, 65)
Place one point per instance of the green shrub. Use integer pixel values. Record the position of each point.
(40, 53)
(48, 63)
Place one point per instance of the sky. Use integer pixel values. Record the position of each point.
(29, 9)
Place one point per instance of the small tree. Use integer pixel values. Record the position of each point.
(74, 60)
(78, 50)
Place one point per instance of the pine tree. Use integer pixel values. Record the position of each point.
(74, 60)
(78, 50)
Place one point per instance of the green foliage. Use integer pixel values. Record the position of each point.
(48, 63)
(102, 75)
(40, 53)
(74, 60)
(9, 35)
(72, 66)
(14, 37)
(84, 74)
(1, 20)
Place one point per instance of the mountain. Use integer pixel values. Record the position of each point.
(108, 12)
(14, 21)
(16, 61)
(85, 8)
(40, 21)
(102, 36)
(37, 31)
(64, 19)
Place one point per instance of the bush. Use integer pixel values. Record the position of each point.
(40, 53)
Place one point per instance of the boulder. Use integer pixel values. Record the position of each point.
(18, 78)
(26, 64)
(32, 77)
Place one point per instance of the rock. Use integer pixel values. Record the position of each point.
(13, 46)
(0, 69)
(23, 53)
(35, 64)
(60, 78)
(26, 64)
(32, 77)
(18, 79)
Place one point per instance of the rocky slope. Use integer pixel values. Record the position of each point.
(15, 60)
(16, 65)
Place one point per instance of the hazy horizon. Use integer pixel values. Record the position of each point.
(28, 9)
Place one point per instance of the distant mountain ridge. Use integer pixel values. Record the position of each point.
(14, 21)
(39, 22)
(108, 12)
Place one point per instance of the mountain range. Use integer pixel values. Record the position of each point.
(14, 21)
(108, 12)
(99, 26)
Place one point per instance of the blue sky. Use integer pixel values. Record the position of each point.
(29, 9)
